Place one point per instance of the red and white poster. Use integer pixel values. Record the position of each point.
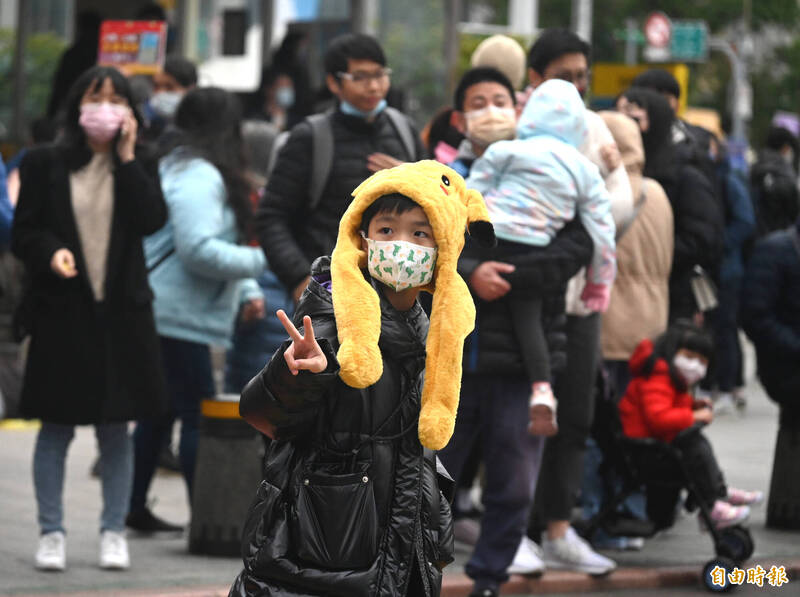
(134, 47)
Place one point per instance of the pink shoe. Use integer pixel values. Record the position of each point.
(742, 497)
(543, 411)
(724, 514)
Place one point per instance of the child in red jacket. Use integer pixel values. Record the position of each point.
(657, 404)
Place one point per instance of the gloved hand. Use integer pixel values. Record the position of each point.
(596, 296)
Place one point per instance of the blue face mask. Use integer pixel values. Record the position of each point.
(351, 110)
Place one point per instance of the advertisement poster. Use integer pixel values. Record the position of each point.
(134, 47)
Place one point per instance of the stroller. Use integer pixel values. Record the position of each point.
(658, 467)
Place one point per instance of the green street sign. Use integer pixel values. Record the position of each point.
(689, 41)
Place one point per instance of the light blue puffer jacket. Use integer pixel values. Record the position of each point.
(535, 184)
(198, 272)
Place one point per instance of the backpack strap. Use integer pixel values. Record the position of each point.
(403, 128)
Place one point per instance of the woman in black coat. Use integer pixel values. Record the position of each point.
(699, 220)
(84, 206)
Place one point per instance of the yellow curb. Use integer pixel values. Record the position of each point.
(19, 424)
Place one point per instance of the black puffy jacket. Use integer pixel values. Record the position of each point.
(349, 495)
(291, 235)
(770, 315)
(699, 233)
(493, 348)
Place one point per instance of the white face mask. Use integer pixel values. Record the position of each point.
(165, 103)
(691, 370)
(399, 264)
(490, 124)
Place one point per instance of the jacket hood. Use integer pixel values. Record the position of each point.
(555, 108)
(629, 142)
(640, 356)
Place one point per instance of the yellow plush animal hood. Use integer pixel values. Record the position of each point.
(451, 209)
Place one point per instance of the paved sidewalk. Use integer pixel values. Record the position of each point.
(163, 566)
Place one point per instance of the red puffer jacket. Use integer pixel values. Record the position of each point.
(652, 406)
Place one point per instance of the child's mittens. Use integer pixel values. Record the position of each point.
(596, 296)
(360, 365)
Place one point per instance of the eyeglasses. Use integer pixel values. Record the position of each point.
(363, 78)
(576, 78)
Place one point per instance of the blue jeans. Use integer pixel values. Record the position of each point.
(496, 409)
(116, 468)
(189, 380)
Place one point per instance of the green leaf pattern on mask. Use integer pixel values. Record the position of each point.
(402, 265)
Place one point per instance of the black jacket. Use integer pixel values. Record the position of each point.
(493, 348)
(770, 315)
(699, 233)
(775, 195)
(291, 235)
(349, 495)
(88, 362)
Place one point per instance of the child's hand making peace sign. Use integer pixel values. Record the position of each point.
(304, 353)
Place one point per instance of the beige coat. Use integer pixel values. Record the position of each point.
(640, 296)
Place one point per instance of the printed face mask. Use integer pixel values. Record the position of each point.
(399, 264)
(284, 97)
(691, 370)
(490, 124)
(101, 121)
(165, 103)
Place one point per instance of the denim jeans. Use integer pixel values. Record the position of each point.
(189, 380)
(495, 408)
(116, 472)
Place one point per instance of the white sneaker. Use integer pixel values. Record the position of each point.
(528, 559)
(114, 551)
(724, 404)
(52, 551)
(571, 552)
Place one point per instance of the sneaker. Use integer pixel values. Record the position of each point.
(742, 497)
(145, 521)
(724, 514)
(724, 404)
(528, 559)
(52, 551)
(114, 551)
(465, 532)
(740, 398)
(543, 411)
(572, 552)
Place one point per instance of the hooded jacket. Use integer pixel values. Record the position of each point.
(538, 182)
(349, 495)
(639, 303)
(652, 406)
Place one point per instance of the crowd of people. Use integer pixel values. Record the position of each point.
(160, 217)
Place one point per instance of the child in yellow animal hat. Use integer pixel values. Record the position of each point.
(351, 502)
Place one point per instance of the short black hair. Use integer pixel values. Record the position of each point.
(552, 44)
(182, 70)
(778, 136)
(683, 333)
(352, 46)
(658, 79)
(480, 74)
(395, 203)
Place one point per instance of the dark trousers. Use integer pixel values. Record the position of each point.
(527, 316)
(189, 380)
(562, 463)
(495, 408)
(724, 322)
(700, 462)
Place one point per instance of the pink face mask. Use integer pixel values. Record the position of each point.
(101, 121)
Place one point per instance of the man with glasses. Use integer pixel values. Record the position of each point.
(294, 227)
(561, 54)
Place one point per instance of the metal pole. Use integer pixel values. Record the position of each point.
(523, 16)
(20, 78)
(582, 19)
(267, 20)
(364, 16)
(452, 15)
(630, 41)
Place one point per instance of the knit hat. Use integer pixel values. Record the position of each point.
(451, 209)
(503, 53)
